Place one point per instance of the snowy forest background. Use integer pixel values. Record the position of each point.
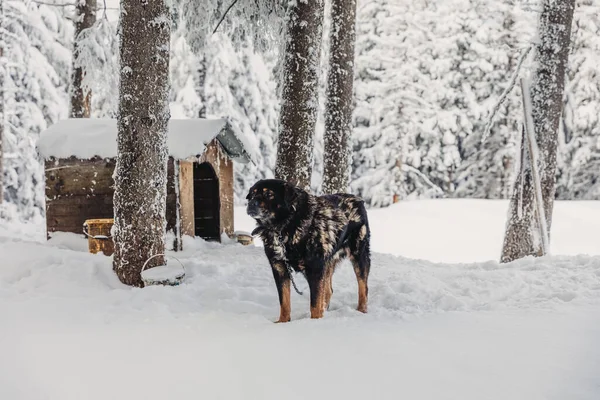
(427, 76)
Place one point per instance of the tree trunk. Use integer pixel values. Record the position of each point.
(300, 86)
(2, 83)
(200, 83)
(81, 99)
(338, 110)
(141, 170)
(522, 236)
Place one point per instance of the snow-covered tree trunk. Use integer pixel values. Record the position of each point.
(200, 83)
(2, 83)
(522, 237)
(81, 98)
(300, 88)
(141, 170)
(338, 110)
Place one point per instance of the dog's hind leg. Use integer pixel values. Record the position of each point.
(282, 281)
(361, 261)
(363, 287)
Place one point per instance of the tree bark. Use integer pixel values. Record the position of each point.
(300, 86)
(141, 170)
(2, 83)
(551, 55)
(200, 83)
(338, 110)
(81, 99)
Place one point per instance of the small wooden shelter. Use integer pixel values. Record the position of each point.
(80, 157)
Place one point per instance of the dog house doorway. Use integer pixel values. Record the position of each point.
(207, 205)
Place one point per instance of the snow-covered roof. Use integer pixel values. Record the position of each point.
(88, 137)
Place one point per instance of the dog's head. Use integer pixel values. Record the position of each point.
(272, 200)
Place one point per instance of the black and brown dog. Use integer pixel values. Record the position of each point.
(310, 234)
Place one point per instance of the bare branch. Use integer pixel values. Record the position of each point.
(504, 95)
(105, 8)
(224, 15)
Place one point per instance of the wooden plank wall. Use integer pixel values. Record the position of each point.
(77, 190)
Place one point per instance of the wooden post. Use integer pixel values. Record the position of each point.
(186, 197)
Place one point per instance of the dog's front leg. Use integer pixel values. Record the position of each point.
(282, 281)
(316, 282)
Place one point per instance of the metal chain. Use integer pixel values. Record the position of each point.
(290, 272)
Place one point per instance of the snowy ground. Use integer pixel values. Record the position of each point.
(526, 330)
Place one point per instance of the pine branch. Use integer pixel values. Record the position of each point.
(408, 168)
(504, 95)
(8, 34)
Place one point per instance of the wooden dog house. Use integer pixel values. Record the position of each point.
(80, 157)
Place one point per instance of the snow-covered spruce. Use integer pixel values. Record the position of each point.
(578, 156)
(98, 51)
(239, 85)
(37, 59)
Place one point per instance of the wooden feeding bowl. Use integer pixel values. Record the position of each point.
(99, 237)
(244, 238)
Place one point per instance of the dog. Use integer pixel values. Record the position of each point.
(310, 234)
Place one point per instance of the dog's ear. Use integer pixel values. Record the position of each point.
(290, 195)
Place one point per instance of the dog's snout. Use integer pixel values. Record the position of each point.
(252, 207)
